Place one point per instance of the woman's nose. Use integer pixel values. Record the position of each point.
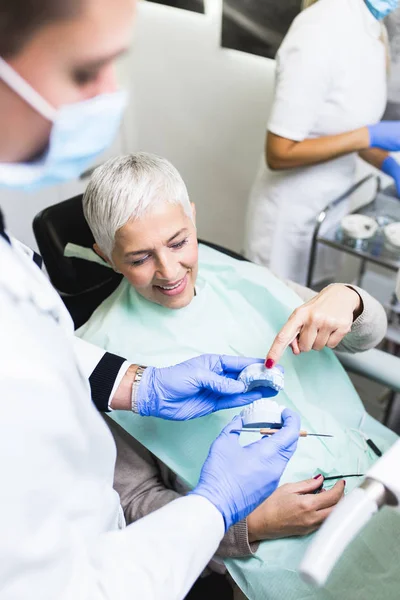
(167, 270)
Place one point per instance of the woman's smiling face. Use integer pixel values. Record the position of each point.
(158, 254)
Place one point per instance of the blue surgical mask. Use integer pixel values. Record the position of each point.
(80, 132)
(381, 8)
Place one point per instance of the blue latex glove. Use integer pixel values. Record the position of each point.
(391, 167)
(385, 135)
(194, 388)
(237, 479)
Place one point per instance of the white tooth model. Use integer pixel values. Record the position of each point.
(257, 375)
(262, 413)
(381, 487)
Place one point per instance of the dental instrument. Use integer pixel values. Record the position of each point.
(269, 431)
(330, 477)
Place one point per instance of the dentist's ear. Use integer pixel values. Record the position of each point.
(192, 204)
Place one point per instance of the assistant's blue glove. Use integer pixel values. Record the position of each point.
(237, 479)
(194, 388)
(385, 135)
(391, 167)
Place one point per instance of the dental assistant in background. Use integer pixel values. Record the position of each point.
(330, 94)
(63, 533)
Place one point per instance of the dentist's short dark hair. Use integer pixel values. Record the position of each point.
(21, 19)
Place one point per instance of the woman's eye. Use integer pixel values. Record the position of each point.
(179, 244)
(137, 263)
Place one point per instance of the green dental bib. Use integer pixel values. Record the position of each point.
(238, 309)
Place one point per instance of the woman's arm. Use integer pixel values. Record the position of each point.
(283, 153)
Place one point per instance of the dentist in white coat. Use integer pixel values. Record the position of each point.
(62, 530)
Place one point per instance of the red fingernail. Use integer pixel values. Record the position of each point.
(317, 476)
(269, 363)
(344, 481)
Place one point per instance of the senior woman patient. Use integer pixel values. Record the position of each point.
(190, 299)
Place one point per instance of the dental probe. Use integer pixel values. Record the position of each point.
(330, 477)
(267, 431)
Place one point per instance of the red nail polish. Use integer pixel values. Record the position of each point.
(317, 476)
(344, 481)
(269, 363)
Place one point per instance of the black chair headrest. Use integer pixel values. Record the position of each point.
(83, 285)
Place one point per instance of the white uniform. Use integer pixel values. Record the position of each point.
(330, 78)
(60, 519)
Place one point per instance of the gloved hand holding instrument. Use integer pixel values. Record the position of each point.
(235, 478)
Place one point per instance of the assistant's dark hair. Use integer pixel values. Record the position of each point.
(20, 19)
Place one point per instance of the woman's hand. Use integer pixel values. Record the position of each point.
(293, 509)
(322, 321)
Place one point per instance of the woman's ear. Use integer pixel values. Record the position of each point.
(192, 204)
(102, 255)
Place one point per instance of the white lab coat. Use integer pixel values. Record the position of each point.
(330, 78)
(60, 519)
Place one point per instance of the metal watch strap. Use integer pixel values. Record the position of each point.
(135, 387)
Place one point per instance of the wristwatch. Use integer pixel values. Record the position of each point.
(135, 386)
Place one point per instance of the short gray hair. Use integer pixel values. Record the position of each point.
(126, 188)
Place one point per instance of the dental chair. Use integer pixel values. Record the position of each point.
(83, 285)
